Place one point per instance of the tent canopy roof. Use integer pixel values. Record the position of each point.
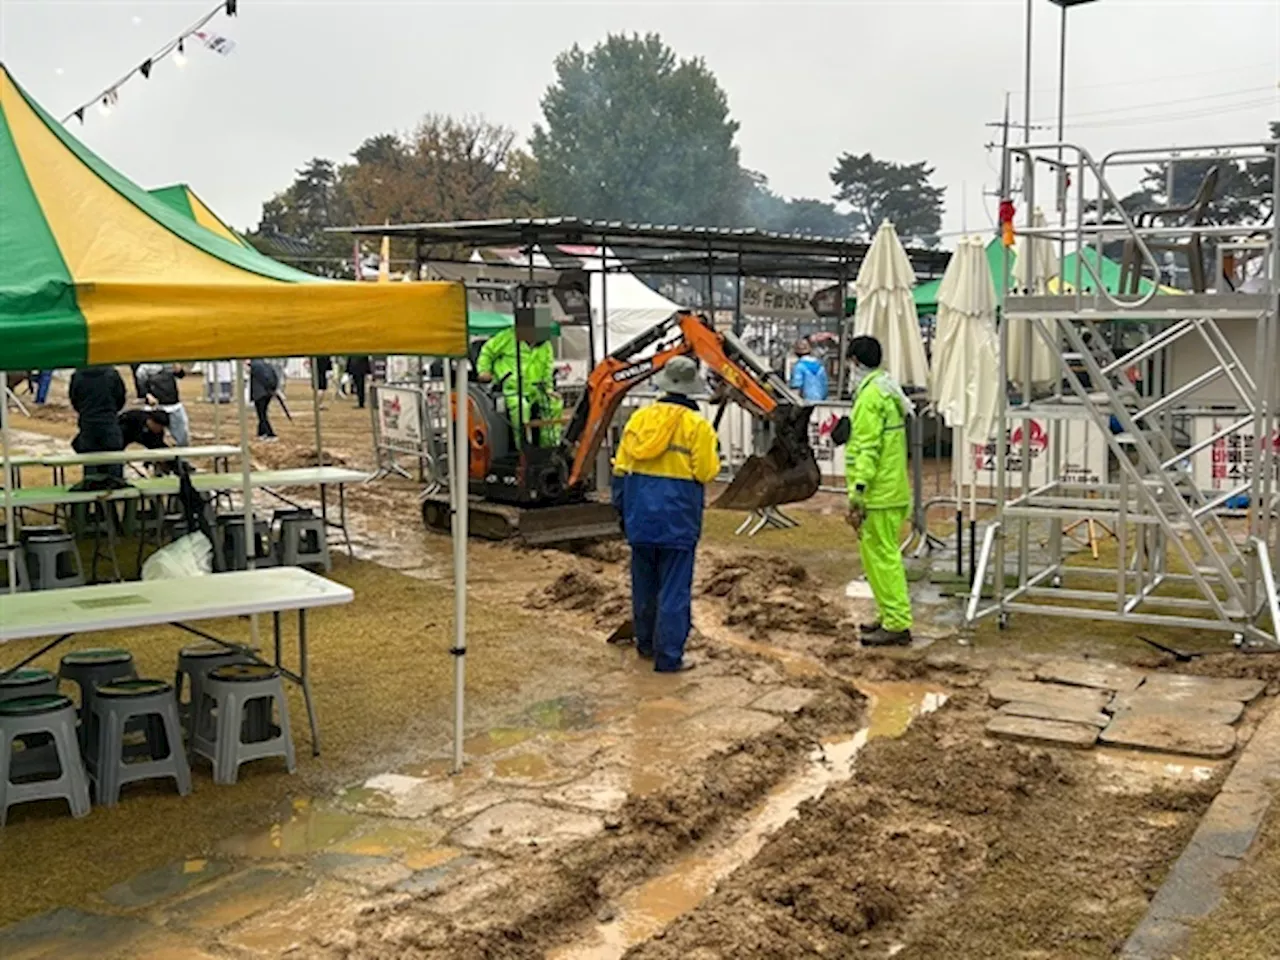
(94, 269)
(185, 200)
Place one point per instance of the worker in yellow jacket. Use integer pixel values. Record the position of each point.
(667, 456)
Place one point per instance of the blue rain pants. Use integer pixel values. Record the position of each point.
(661, 602)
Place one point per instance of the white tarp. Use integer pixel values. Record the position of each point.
(1036, 265)
(887, 311)
(966, 361)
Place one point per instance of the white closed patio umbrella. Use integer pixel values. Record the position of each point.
(887, 311)
(1035, 267)
(966, 356)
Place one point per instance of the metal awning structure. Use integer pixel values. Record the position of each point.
(656, 248)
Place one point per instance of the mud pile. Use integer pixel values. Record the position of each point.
(287, 456)
(580, 590)
(765, 594)
(946, 845)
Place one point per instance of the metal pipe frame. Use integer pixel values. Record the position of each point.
(1158, 506)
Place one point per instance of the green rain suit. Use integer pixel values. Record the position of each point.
(536, 378)
(876, 474)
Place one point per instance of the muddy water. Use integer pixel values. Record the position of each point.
(649, 908)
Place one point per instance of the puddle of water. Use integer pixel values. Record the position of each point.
(498, 738)
(895, 704)
(649, 908)
(396, 843)
(305, 829)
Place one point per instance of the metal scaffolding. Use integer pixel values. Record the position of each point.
(1187, 554)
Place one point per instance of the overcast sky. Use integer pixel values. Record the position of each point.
(905, 79)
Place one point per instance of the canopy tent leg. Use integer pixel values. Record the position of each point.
(246, 483)
(458, 498)
(12, 562)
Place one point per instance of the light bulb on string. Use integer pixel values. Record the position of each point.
(180, 55)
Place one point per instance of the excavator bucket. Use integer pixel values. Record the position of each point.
(787, 473)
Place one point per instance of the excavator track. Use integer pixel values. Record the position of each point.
(531, 526)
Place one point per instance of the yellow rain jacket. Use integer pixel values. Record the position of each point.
(668, 453)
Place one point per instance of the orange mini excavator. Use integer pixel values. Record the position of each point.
(544, 495)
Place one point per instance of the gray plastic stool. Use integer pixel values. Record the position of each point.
(115, 705)
(12, 555)
(194, 664)
(93, 666)
(54, 716)
(231, 531)
(226, 709)
(54, 561)
(28, 682)
(304, 541)
(26, 533)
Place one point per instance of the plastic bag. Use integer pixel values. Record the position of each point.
(189, 556)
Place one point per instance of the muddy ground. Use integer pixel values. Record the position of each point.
(942, 844)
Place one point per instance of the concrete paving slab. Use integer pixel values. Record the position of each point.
(602, 791)
(1050, 694)
(162, 945)
(173, 879)
(296, 925)
(430, 879)
(514, 826)
(238, 897)
(67, 934)
(1092, 673)
(1052, 732)
(1063, 714)
(786, 700)
(731, 723)
(1201, 709)
(719, 692)
(1170, 734)
(1211, 688)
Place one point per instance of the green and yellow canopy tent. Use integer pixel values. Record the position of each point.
(96, 270)
(185, 200)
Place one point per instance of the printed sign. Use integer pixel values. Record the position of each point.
(399, 419)
(1229, 462)
(1084, 455)
(829, 455)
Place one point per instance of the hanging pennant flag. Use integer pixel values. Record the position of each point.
(216, 42)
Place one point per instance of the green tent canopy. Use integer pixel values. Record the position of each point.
(485, 323)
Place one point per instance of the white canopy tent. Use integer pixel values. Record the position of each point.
(887, 311)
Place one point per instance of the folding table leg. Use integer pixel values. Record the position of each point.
(305, 673)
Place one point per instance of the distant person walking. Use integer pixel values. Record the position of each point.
(358, 369)
(160, 386)
(808, 374)
(264, 381)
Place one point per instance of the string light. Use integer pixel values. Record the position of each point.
(175, 48)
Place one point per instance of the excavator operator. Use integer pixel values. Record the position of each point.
(529, 390)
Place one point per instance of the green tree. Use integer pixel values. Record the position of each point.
(631, 132)
(880, 190)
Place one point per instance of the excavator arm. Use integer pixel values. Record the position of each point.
(786, 474)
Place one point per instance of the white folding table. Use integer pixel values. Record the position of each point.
(61, 614)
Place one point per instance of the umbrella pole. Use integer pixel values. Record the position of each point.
(11, 561)
(458, 496)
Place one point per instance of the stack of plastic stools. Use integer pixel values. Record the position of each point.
(231, 696)
(54, 716)
(90, 668)
(53, 561)
(194, 664)
(13, 557)
(233, 540)
(117, 703)
(304, 540)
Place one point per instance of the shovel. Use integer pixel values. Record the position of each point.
(625, 633)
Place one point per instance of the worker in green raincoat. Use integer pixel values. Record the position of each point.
(534, 384)
(879, 491)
